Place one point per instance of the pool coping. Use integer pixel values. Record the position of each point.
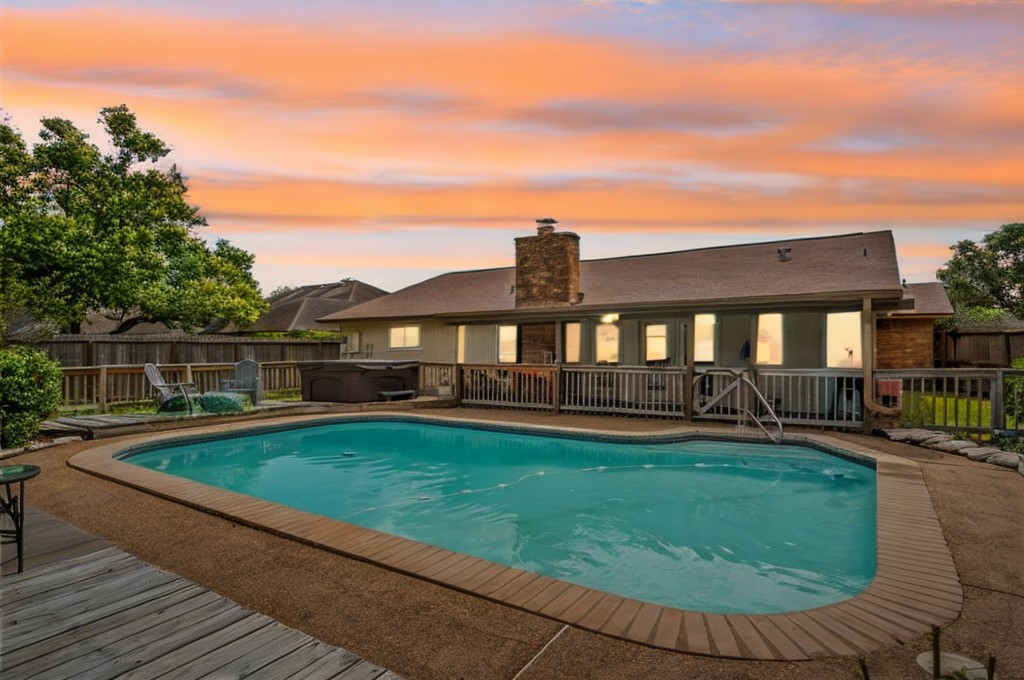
(915, 586)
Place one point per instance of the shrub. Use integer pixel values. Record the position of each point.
(30, 390)
(222, 402)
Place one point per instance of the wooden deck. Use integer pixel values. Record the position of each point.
(85, 609)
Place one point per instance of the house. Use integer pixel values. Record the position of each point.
(811, 303)
(300, 308)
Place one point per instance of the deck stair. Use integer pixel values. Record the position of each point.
(738, 394)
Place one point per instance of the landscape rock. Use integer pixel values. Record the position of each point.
(940, 438)
(955, 446)
(982, 453)
(1005, 459)
(911, 435)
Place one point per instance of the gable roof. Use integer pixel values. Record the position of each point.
(299, 308)
(846, 267)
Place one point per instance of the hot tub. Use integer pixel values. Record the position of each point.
(355, 381)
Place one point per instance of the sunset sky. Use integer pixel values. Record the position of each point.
(396, 139)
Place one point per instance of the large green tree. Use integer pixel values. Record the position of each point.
(989, 275)
(86, 230)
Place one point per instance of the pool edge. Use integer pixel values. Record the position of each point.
(915, 584)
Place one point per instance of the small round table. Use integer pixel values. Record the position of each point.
(13, 505)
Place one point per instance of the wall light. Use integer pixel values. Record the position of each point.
(610, 318)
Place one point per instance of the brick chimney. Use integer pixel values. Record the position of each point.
(547, 267)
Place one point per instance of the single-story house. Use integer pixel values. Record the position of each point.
(300, 308)
(810, 303)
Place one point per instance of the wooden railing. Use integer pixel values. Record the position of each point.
(518, 386)
(102, 386)
(636, 390)
(969, 400)
(956, 399)
(825, 397)
(437, 379)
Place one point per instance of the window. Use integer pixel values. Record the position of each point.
(704, 337)
(656, 342)
(607, 350)
(508, 344)
(460, 351)
(842, 340)
(404, 337)
(769, 338)
(571, 348)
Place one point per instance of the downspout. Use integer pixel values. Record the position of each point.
(868, 351)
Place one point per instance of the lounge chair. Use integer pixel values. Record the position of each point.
(246, 381)
(166, 391)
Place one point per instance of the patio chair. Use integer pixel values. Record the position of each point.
(166, 391)
(246, 381)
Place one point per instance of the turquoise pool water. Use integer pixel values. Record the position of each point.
(706, 525)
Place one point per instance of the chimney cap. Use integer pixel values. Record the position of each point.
(547, 221)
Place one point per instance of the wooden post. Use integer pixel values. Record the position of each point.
(996, 400)
(101, 390)
(556, 386)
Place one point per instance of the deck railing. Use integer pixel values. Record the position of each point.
(437, 379)
(824, 397)
(956, 399)
(968, 400)
(633, 390)
(103, 386)
(518, 386)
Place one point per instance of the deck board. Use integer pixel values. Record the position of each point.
(104, 614)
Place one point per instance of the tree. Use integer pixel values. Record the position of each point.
(86, 231)
(989, 275)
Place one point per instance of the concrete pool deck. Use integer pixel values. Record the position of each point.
(421, 629)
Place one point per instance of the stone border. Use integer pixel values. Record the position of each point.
(947, 443)
(915, 584)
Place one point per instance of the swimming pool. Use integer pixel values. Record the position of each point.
(695, 524)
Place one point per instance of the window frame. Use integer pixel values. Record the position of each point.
(405, 328)
(713, 330)
(761, 324)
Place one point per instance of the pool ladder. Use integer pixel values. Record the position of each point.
(743, 390)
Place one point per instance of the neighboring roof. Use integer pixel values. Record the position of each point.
(845, 267)
(299, 308)
(929, 299)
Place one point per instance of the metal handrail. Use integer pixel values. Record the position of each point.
(740, 380)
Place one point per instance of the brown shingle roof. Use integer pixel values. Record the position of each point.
(929, 299)
(835, 267)
(299, 309)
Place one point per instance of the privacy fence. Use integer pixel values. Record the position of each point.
(127, 350)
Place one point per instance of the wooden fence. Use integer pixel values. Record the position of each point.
(127, 350)
(981, 349)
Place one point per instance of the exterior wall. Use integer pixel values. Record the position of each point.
(905, 343)
(803, 340)
(537, 343)
(547, 269)
(481, 344)
(733, 331)
(439, 342)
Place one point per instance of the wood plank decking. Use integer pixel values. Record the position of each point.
(102, 613)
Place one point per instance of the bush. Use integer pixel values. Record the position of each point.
(30, 390)
(222, 402)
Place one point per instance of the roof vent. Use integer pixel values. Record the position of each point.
(784, 255)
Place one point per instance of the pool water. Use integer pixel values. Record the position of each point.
(704, 525)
